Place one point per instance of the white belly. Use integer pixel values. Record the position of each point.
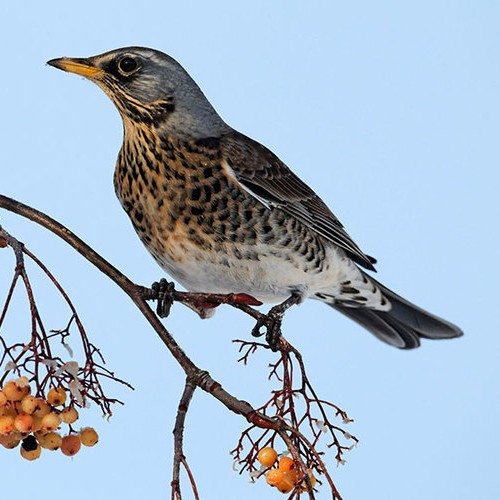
(269, 279)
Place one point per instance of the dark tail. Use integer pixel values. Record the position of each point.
(403, 325)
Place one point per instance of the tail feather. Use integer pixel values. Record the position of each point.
(403, 325)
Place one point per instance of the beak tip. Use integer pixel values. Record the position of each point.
(54, 63)
(82, 67)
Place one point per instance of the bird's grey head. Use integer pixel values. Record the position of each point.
(149, 88)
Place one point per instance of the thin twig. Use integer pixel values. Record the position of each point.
(179, 457)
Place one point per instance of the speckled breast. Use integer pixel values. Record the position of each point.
(194, 219)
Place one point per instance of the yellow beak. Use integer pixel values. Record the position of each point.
(79, 66)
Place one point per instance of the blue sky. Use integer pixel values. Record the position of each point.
(390, 111)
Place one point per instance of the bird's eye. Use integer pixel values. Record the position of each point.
(127, 65)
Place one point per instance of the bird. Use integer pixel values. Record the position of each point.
(221, 213)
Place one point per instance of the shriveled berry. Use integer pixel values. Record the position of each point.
(29, 443)
(274, 477)
(287, 484)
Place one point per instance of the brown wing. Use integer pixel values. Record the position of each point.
(265, 176)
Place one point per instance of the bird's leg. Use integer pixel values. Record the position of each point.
(204, 304)
(272, 320)
(210, 300)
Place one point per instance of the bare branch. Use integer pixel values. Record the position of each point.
(294, 415)
(201, 378)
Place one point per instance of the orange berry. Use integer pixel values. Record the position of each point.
(286, 464)
(7, 409)
(287, 484)
(71, 444)
(37, 424)
(69, 415)
(31, 455)
(6, 424)
(24, 423)
(15, 393)
(16, 406)
(29, 404)
(56, 396)
(9, 389)
(267, 456)
(51, 422)
(3, 399)
(51, 441)
(9, 442)
(274, 477)
(89, 436)
(42, 408)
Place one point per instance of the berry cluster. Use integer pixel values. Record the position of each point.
(284, 476)
(33, 421)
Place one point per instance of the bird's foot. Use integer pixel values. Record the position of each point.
(161, 291)
(273, 319)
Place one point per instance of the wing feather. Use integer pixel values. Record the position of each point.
(264, 175)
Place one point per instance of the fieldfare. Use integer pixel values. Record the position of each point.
(221, 213)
